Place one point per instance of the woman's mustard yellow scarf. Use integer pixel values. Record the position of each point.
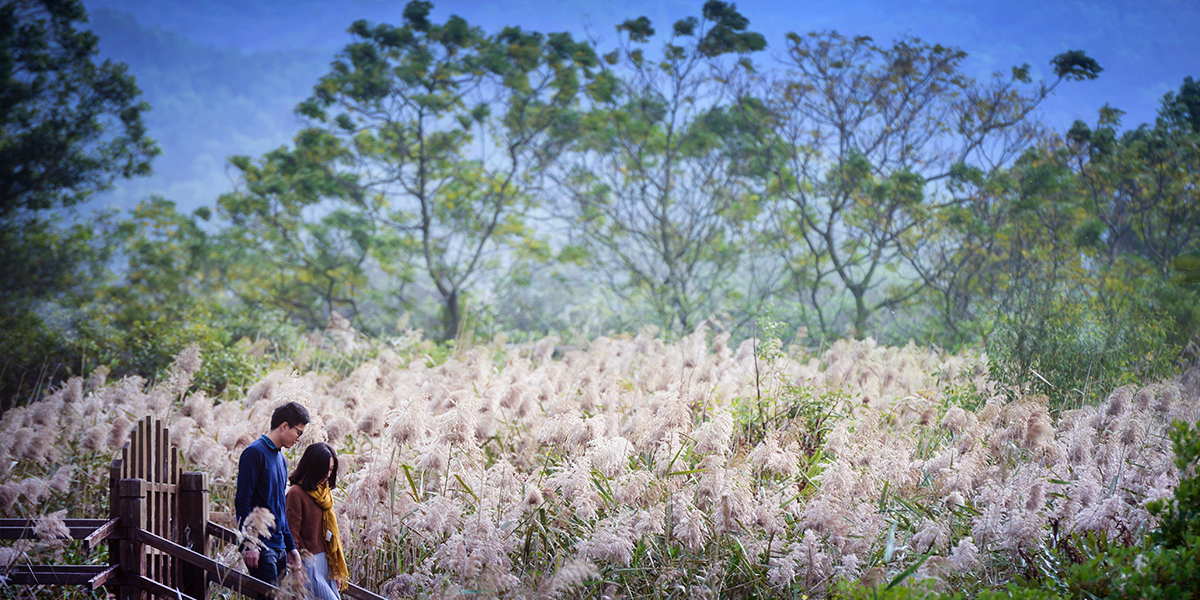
(333, 540)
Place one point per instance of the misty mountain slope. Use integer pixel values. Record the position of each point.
(208, 103)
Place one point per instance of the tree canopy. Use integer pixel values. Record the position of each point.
(455, 179)
(70, 126)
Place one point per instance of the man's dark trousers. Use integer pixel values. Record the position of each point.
(272, 562)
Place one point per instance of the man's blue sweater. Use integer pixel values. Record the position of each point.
(262, 481)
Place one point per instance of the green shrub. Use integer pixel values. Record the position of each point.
(1180, 515)
(1073, 347)
(33, 355)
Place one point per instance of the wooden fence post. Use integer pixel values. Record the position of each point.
(132, 498)
(193, 524)
(114, 511)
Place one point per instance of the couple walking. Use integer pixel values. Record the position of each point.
(303, 513)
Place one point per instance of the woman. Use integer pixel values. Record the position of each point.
(313, 524)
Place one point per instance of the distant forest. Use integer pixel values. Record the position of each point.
(512, 184)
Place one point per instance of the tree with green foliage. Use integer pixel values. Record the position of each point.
(1068, 259)
(299, 234)
(69, 127)
(1141, 188)
(658, 182)
(1035, 294)
(448, 130)
(876, 136)
(166, 293)
(168, 258)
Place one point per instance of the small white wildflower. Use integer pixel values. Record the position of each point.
(964, 557)
(61, 481)
(715, 436)
(611, 456)
(1139, 562)
(533, 498)
(257, 527)
(119, 434)
(572, 574)
(52, 528)
(958, 420)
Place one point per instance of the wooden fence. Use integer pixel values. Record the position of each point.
(158, 532)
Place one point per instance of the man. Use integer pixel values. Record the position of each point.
(262, 482)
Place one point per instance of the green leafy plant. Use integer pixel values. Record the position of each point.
(1073, 348)
(1180, 515)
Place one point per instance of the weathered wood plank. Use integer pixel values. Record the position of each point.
(159, 590)
(222, 533)
(230, 536)
(101, 533)
(54, 574)
(218, 573)
(103, 578)
(22, 529)
(361, 594)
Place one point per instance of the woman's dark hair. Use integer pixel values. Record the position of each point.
(313, 466)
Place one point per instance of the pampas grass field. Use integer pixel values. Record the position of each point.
(635, 467)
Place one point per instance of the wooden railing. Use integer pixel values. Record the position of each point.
(158, 533)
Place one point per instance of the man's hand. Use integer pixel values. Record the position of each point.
(293, 559)
(250, 557)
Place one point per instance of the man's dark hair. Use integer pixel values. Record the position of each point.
(291, 413)
(313, 467)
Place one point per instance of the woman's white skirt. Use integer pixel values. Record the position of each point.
(319, 584)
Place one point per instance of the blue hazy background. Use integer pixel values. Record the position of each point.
(223, 76)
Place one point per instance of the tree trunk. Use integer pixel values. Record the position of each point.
(451, 315)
